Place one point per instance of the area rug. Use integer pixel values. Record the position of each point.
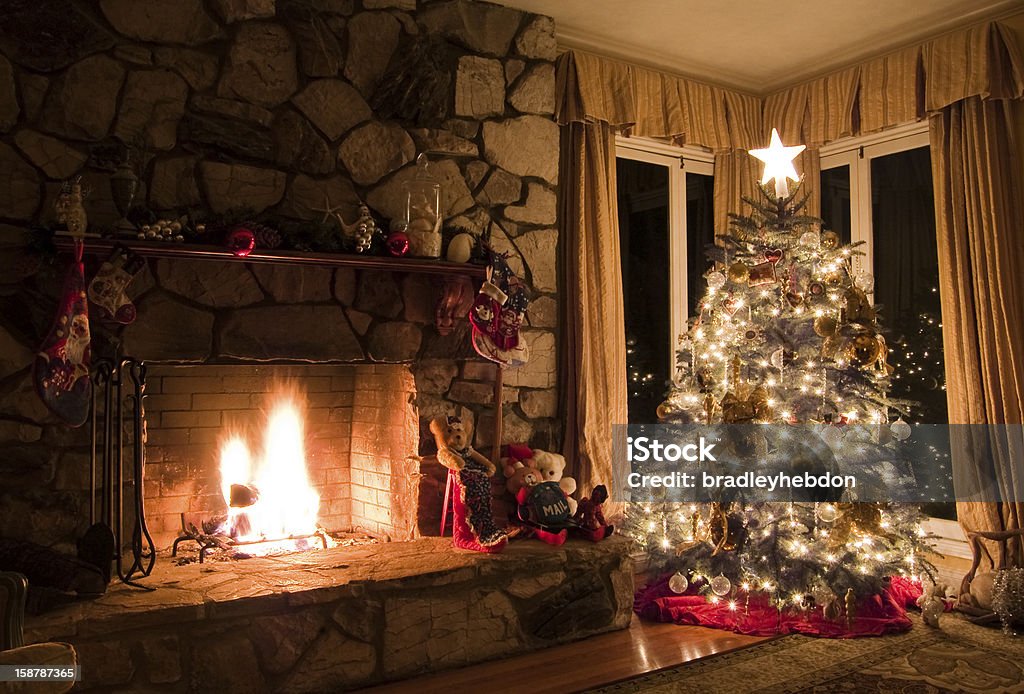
(956, 657)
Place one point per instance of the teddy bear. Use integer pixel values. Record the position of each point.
(551, 467)
(933, 602)
(542, 506)
(473, 524)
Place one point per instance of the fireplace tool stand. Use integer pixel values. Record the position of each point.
(119, 421)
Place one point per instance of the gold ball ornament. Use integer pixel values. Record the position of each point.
(830, 240)
(824, 326)
(863, 350)
(665, 410)
(739, 273)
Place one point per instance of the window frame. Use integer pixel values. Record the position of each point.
(680, 160)
(857, 153)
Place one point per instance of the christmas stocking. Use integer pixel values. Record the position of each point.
(473, 527)
(107, 289)
(61, 370)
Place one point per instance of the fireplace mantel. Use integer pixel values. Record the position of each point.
(456, 285)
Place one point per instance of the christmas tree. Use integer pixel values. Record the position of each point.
(788, 342)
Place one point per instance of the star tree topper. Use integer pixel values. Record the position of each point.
(778, 163)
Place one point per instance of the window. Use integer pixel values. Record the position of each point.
(666, 220)
(879, 190)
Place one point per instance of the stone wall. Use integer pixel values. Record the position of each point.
(271, 105)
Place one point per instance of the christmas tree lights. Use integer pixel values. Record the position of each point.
(786, 336)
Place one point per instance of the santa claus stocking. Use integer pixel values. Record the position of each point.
(107, 289)
(61, 370)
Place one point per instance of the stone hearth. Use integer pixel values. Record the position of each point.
(337, 619)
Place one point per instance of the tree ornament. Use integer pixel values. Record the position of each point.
(827, 513)
(863, 350)
(864, 279)
(678, 583)
(778, 163)
(900, 430)
(781, 358)
(720, 585)
(762, 273)
(716, 280)
(830, 240)
(810, 239)
(739, 272)
(240, 241)
(398, 243)
(816, 289)
(773, 255)
(665, 410)
(794, 299)
(825, 326)
(753, 408)
(858, 308)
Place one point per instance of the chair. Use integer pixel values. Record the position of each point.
(13, 651)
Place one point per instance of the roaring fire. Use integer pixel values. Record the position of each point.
(268, 495)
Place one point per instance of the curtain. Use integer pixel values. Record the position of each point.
(595, 341)
(981, 254)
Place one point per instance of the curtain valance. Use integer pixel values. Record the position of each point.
(896, 88)
(900, 87)
(655, 104)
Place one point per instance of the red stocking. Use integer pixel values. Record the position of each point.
(62, 363)
(463, 534)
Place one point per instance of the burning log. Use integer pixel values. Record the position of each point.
(243, 495)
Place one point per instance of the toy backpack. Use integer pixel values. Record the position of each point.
(546, 506)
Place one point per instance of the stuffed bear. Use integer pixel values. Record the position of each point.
(551, 467)
(473, 525)
(542, 506)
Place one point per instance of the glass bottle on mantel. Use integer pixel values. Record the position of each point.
(423, 212)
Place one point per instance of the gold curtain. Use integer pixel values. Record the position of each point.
(593, 359)
(981, 253)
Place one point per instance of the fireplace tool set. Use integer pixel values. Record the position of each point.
(118, 422)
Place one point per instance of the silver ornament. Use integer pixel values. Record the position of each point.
(678, 583)
(900, 430)
(720, 585)
(716, 280)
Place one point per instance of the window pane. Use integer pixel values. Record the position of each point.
(906, 270)
(700, 233)
(644, 248)
(835, 200)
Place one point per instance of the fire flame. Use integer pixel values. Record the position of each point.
(285, 505)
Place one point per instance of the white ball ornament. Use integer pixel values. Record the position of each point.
(900, 430)
(720, 585)
(810, 238)
(832, 436)
(716, 280)
(678, 583)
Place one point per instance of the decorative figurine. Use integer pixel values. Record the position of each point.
(70, 211)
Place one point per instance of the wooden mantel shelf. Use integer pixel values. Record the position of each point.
(456, 288)
(162, 249)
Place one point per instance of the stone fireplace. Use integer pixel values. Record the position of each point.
(277, 107)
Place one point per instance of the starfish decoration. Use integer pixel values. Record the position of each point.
(778, 163)
(329, 210)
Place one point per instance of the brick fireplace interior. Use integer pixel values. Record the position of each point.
(361, 438)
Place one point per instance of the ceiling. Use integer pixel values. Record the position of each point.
(754, 46)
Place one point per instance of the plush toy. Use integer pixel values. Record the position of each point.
(551, 467)
(590, 516)
(473, 522)
(542, 506)
(933, 602)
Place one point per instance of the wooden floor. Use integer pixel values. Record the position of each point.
(599, 660)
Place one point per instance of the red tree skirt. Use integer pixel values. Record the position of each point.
(875, 615)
